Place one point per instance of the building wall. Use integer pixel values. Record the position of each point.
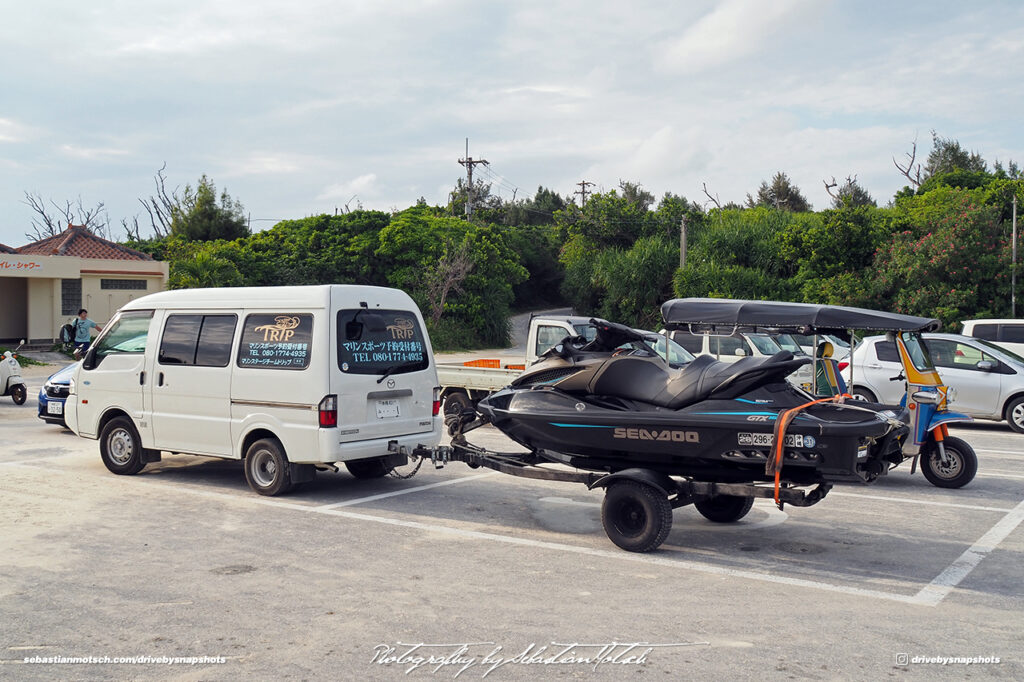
(41, 321)
(13, 308)
(103, 302)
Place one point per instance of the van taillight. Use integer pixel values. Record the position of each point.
(329, 412)
(437, 401)
(843, 365)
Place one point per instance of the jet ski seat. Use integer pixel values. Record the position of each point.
(649, 380)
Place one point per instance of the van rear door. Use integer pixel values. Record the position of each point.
(383, 374)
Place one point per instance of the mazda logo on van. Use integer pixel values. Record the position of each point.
(391, 383)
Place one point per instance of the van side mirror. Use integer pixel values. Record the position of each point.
(740, 352)
(89, 362)
(985, 366)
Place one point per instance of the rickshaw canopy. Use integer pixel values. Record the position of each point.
(806, 318)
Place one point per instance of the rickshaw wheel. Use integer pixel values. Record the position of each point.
(957, 472)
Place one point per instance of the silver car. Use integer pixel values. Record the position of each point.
(986, 381)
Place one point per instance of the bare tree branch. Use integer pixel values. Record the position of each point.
(447, 277)
(830, 185)
(50, 224)
(162, 206)
(713, 199)
(912, 174)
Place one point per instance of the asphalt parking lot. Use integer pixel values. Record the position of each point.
(474, 571)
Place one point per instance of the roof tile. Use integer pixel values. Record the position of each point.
(80, 242)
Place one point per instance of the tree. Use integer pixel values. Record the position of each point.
(781, 194)
(199, 217)
(947, 156)
(203, 269)
(51, 221)
(951, 260)
(850, 193)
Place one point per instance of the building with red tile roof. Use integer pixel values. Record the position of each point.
(45, 283)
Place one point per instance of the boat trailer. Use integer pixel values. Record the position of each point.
(637, 508)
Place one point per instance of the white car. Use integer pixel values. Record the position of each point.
(986, 381)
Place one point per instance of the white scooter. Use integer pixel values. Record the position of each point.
(10, 376)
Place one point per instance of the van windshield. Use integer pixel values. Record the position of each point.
(374, 341)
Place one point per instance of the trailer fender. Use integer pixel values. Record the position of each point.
(660, 482)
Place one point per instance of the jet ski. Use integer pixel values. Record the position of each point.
(612, 403)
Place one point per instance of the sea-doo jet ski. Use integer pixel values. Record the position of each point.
(613, 403)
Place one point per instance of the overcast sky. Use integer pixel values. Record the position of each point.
(298, 108)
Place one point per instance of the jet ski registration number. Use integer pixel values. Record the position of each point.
(792, 440)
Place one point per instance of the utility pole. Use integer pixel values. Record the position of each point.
(682, 242)
(582, 191)
(469, 162)
(1013, 263)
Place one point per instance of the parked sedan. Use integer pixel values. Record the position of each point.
(986, 381)
(53, 394)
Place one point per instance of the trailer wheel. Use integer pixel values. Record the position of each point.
(18, 394)
(724, 508)
(636, 516)
(266, 467)
(958, 471)
(368, 468)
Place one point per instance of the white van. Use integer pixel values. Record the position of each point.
(1008, 334)
(288, 379)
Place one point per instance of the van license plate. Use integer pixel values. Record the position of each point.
(54, 408)
(793, 440)
(387, 408)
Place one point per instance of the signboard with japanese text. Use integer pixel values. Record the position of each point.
(276, 341)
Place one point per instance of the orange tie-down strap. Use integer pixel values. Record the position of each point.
(774, 464)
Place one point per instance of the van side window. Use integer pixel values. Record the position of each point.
(178, 344)
(201, 340)
(276, 341)
(380, 341)
(985, 331)
(215, 339)
(728, 345)
(1011, 333)
(691, 342)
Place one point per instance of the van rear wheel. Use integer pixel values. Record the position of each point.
(368, 468)
(266, 468)
(121, 447)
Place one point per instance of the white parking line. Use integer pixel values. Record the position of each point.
(951, 505)
(987, 451)
(406, 491)
(986, 474)
(939, 588)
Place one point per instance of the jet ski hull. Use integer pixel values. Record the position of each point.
(713, 440)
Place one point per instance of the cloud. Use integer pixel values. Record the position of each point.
(93, 153)
(360, 187)
(12, 131)
(735, 29)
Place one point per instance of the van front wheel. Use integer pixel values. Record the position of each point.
(120, 447)
(266, 468)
